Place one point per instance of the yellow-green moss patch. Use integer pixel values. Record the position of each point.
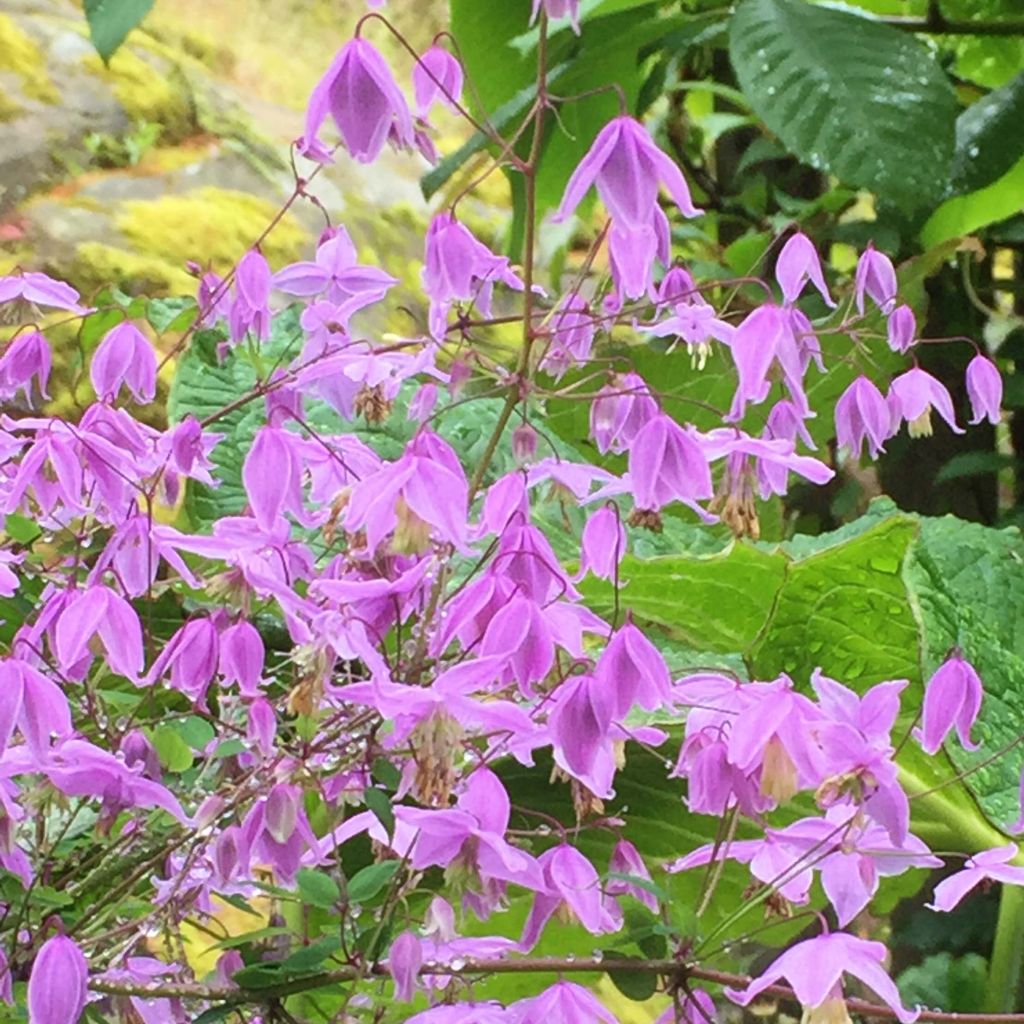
(20, 54)
(209, 225)
(95, 265)
(148, 95)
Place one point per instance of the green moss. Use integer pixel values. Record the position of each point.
(20, 54)
(148, 95)
(9, 110)
(209, 224)
(96, 265)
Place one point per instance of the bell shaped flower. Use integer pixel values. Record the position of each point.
(627, 168)
(242, 654)
(602, 544)
(572, 883)
(912, 396)
(359, 92)
(125, 356)
(876, 279)
(436, 77)
(190, 656)
(276, 831)
(862, 415)
(815, 967)
(405, 958)
(520, 635)
(952, 700)
(58, 983)
(460, 268)
(633, 671)
(99, 611)
(565, 1002)
(632, 253)
(667, 463)
(754, 346)
(630, 869)
(41, 290)
(619, 411)
(250, 308)
(797, 264)
(272, 475)
(697, 1007)
(989, 865)
(571, 335)
(580, 723)
(26, 356)
(984, 389)
(556, 9)
(32, 703)
(901, 331)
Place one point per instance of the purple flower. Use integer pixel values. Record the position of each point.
(667, 463)
(41, 290)
(572, 883)
(633, 671)
(619, 411)
(436, 76)
(626, 860)
(272, 474)
(404, 962)
(626, 167)
(603, 543)
(33, 703)
(952, 699)
(565, 1002)
(250, 310)
(632, 251)
(697, 1008)
(988, 865)
(580, 723)
(902, 329)
(754, 346)
(797, 264)
(360, 93)
(26, 356)
(984, 389)
(875, 278)
(241, 657)
(124, 357)
(815, 967)
(58, 983)
(862, 414)
(912, 396)
(571, 335)
(98, 610)
(558, 9)
(460, 268)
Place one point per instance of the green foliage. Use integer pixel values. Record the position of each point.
(110, 21)
(847, 94)
(945, 982)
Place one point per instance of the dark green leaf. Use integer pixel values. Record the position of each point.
(989, 140)
(379, 802)
(385, 772)
(308, 958)
(215, 1014)
(849, 95)
(111, 20)
(635, 985)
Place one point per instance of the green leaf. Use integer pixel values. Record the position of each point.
(317, 888)
(110, 21)
(988, 138)
(21, 529)
(365, 884)
(173, 751)
(964, 215)
(174, 313)
(378, 801)
(635, 985)
(310, 957)
(847, 94)
(215, 1014)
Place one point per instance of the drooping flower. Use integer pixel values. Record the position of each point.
(460, 268)
(272, 475)
(797, 264)
(602, 544)
(250, 308)
(875, 278)
(58, 983)
(359, 92)
(100, 611)
(627, 168)
(697, 1008)
(984, 389)
(912, 396)
(565, 1002)
(633, 671)
(558, 9)
(902, 329)
(41, 290)
(627, 863)
(815, 968)
(436, 77)
(952, 699)
(125, 356)
(572, 330)
(862, 415)
(988, 865)
(404, 961)
(667, 463)
(619, 411)
(754, 346)
(27, 356)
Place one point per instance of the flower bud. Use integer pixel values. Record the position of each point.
(57, 985)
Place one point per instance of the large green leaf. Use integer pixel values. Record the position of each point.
(847, 94)
(110, 21)
(988, 138)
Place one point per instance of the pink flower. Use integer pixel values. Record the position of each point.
(125, 356)
(985, 389)
(436, 77)
(619, 411)
(404, 961)
(58, 983)
(250, 309)
(875, 278)
(862, 414)
(41, 290)
(815, 967)
(912, 396)
(564, 1003)
(558, 9)
(797, 264)
(572, 335)
(902, 329)
(626, 861)
(991, 865)
(359, 92)
(627, 168)
(952, 699)
(602, 544)
(667, 463)
(26, 356)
